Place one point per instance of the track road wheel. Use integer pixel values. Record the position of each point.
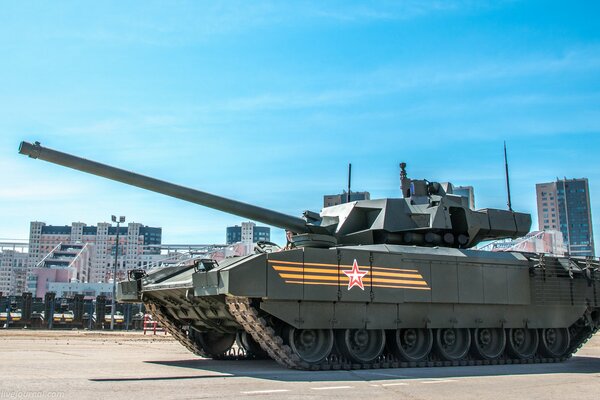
(248, 343)
(411, 344)
(214, 344)
(522, 342)
(361, 345)
(555, 342)
(452, 344)
(488, 343)
(311, 345)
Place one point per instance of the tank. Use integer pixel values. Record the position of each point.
(368, 284)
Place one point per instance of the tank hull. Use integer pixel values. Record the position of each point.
(377, 293)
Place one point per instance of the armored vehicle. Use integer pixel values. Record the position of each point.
(369, 284)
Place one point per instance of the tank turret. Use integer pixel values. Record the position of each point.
(428, 214)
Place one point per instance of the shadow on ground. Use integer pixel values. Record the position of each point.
(269, 370)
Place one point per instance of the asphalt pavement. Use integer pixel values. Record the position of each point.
(87, 365)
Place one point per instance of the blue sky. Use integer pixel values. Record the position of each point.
(267, 102)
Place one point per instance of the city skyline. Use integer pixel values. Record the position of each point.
(268, 103)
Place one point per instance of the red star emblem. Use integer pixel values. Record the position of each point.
(355, 276)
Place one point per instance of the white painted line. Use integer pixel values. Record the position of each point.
(332, 387)
(266, 391)
(394, 384)
(440, 381)
(382, 374)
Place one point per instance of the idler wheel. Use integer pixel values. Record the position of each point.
(214, 344)
(360, 345)
(411, 344)
(247, 342)
(488, 343)
(311, 345)
(555, 341)
(452, 344)
(522, 343)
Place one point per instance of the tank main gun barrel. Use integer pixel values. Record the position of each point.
(269, 217)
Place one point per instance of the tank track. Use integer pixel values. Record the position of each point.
(264, 335)
(251, 321)
(248, 317)
(174, 328)
(582, 339)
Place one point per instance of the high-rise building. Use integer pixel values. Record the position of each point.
(13, 272)
(247, 233)
(336, 199)
(136, 243)
(564, 205)
(466, 191)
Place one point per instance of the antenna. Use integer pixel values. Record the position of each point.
(349, 181)
(404, 181)
(507, 180)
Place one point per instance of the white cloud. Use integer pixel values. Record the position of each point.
(194, 21)
(398, 79)
(390, 10)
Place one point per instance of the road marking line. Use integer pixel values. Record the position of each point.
(440, 381)
(332, 387)
(382, 374)
(394, 384)
(266, 391)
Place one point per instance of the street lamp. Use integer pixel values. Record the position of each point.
(114, 291)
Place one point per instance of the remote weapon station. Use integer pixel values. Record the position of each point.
(369, 284)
